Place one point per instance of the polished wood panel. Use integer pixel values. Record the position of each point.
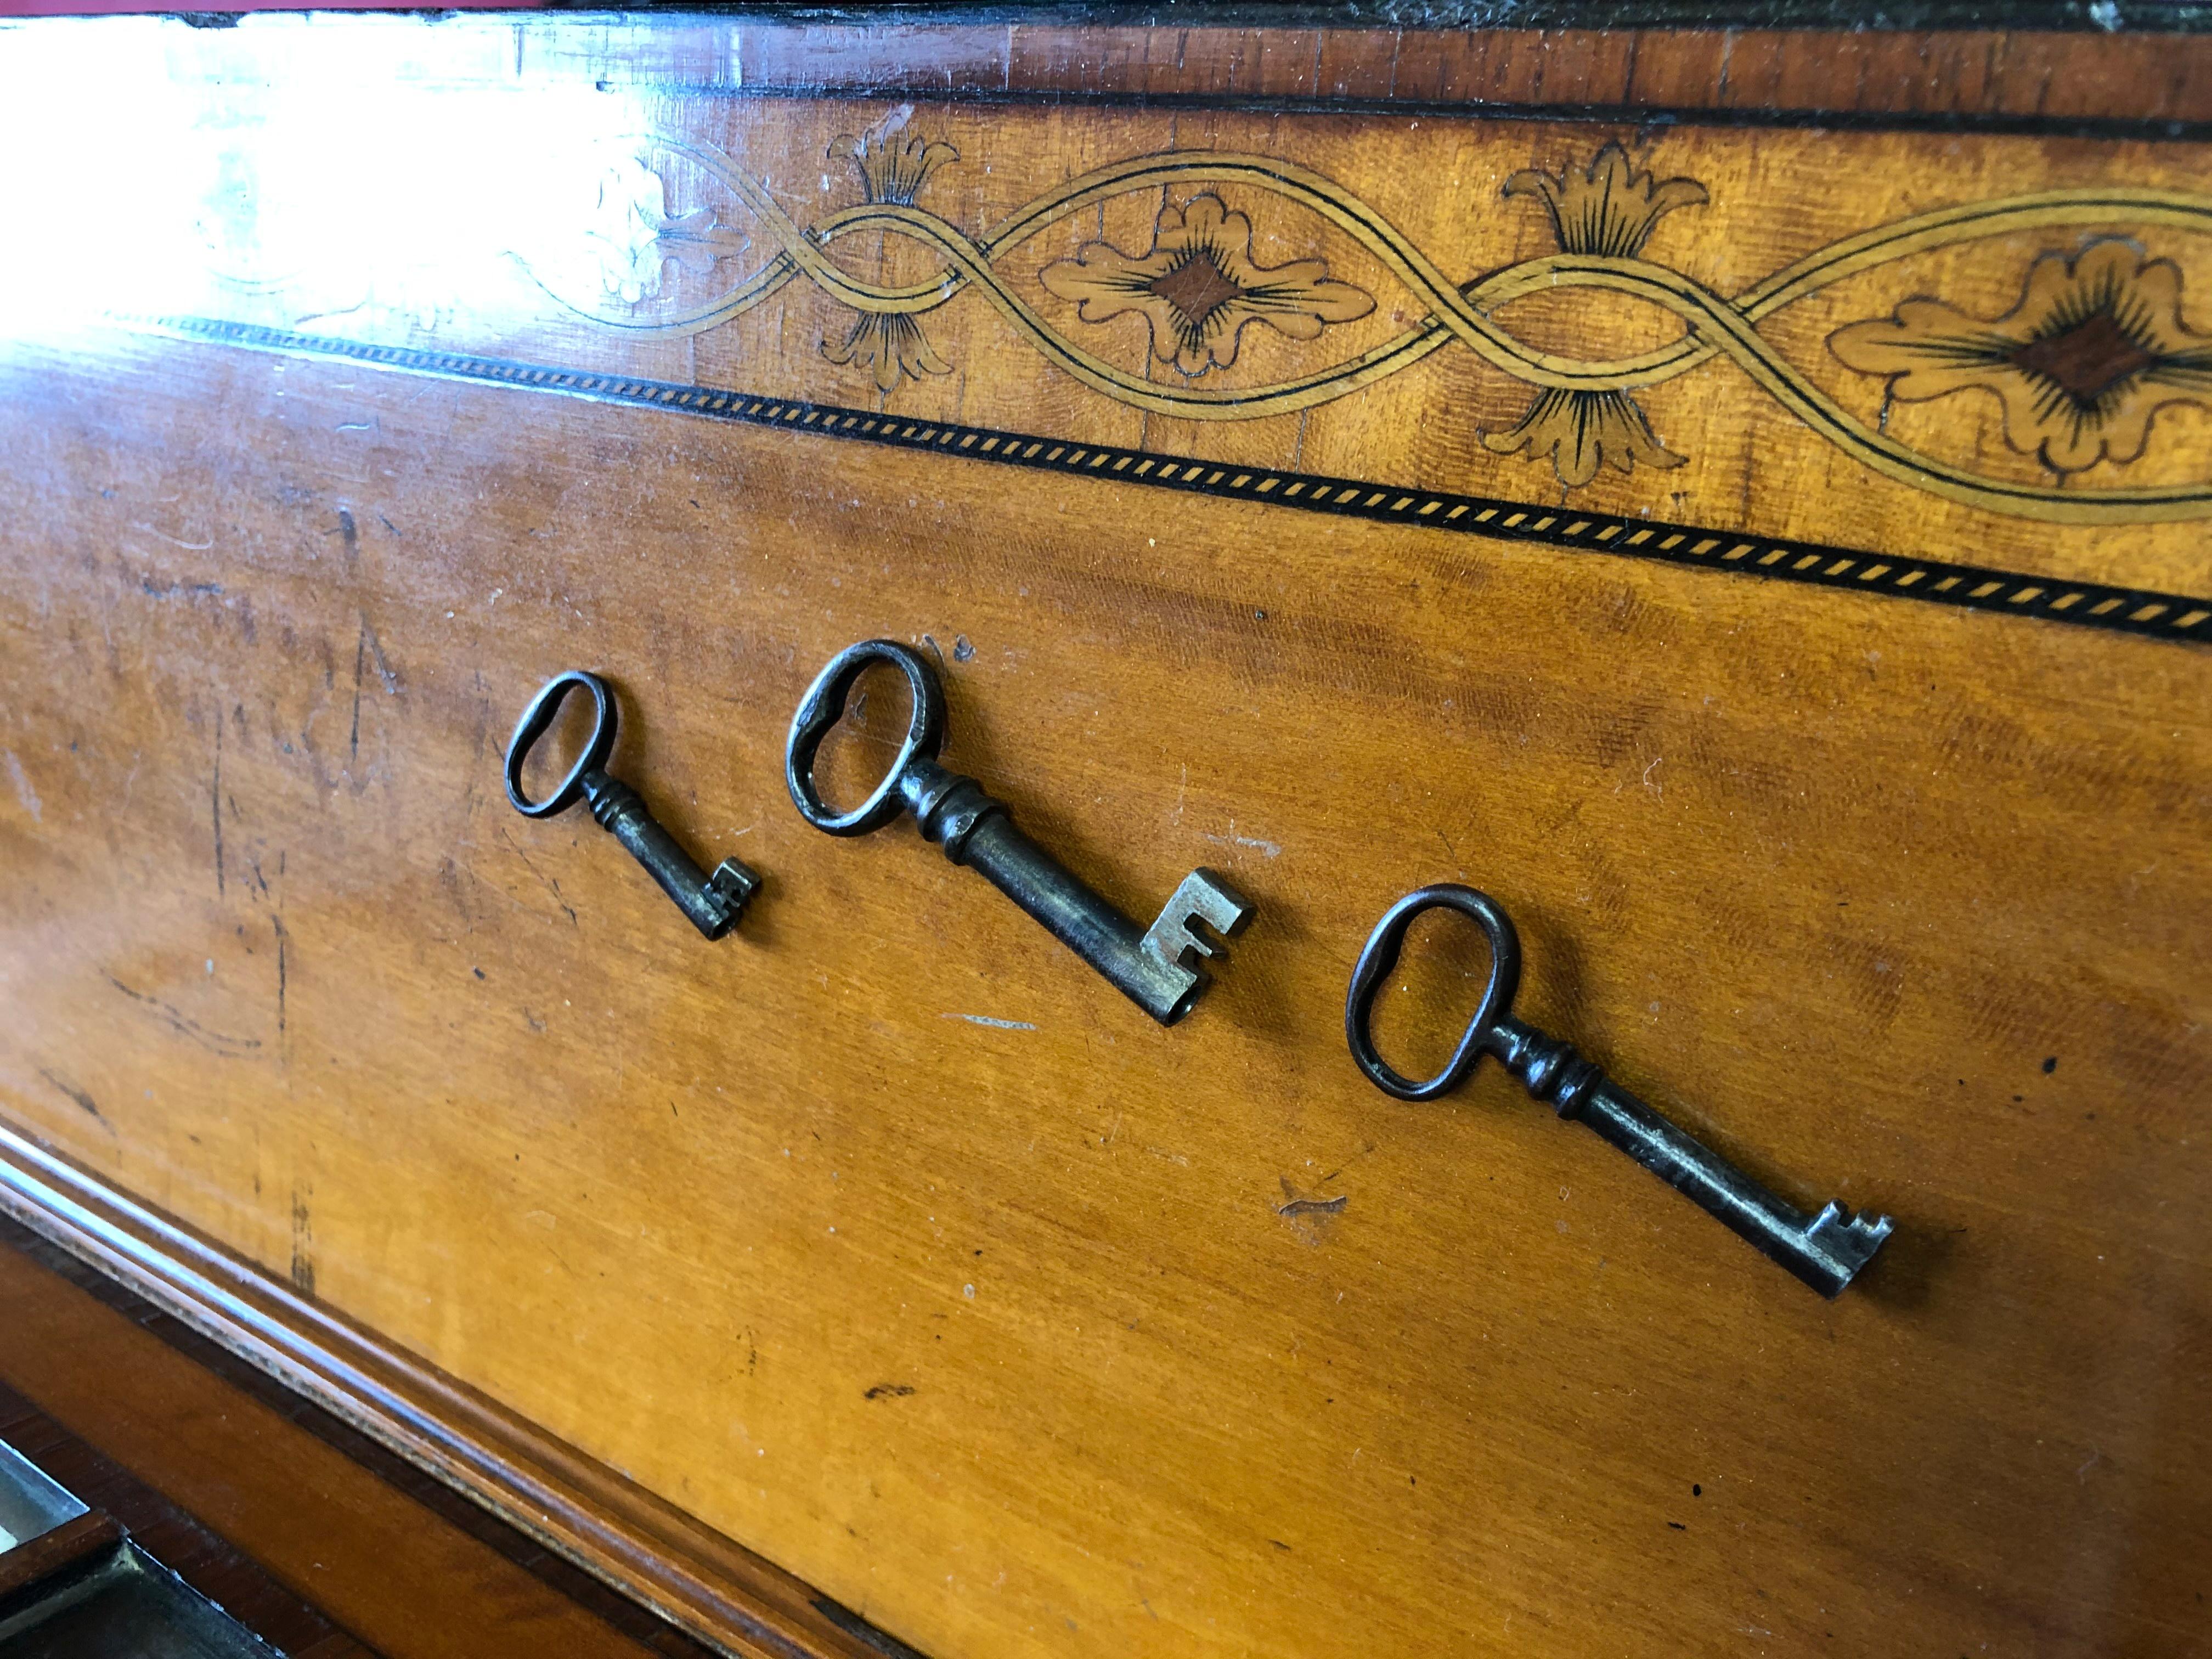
(882, 1238)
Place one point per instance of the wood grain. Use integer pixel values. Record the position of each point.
(882, 1238)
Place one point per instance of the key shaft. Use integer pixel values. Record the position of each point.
(711, 902)
(978, 830)
(1825, 1250)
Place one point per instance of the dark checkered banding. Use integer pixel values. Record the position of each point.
(1976, 588)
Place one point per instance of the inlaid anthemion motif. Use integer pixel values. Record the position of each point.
(893, 169)
(2081, 365)
(1608, 209)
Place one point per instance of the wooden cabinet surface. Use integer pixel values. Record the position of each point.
(1741, 499)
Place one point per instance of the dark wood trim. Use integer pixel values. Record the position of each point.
(76, 1542)
(2045, 79)
(207, 1563)
(707, 1584)
(1433, 16)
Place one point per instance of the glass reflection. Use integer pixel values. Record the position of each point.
(377, 180)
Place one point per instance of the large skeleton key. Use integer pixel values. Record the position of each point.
(1157, 967)
(1825, 1250)
(714, 902)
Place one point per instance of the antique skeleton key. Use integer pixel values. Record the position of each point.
(1157, 969)
(1825, 1250)
(714, 902)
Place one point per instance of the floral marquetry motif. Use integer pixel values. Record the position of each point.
(2095, 348)
(1608, 207)
(1198, 286)
(635, 238)
(889, 345)
(892, 168)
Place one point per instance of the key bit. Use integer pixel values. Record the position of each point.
(1178, 936)
(1155, 969)
(714, 902)
(1825, 1250)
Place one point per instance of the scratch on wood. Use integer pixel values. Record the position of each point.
(550, 885)
(153, 590)
(360, 657)
(79, 1096)
(174, 541)
(889, 1391)
(284, 945)
(1311, 1219)
(383, 669)
(995, 1024)
(214, 1042)
(214, 798)
(24, 793)
(1272, 849)
(303, 1243)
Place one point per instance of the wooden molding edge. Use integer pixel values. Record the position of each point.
(59, 1552)
(2025, 69)
(708, 1585)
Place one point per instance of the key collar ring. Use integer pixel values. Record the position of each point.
(822, 708)
(537, 717)
(1380, 956)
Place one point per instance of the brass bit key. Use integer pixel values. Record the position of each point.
(714, 902)
(1825, 1250)
(1157, 969)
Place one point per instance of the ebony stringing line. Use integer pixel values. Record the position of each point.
(1640, 117)
(1975, 588)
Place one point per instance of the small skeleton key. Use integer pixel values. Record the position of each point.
(1824, 1250)
(714, 902)
(1158, 969)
